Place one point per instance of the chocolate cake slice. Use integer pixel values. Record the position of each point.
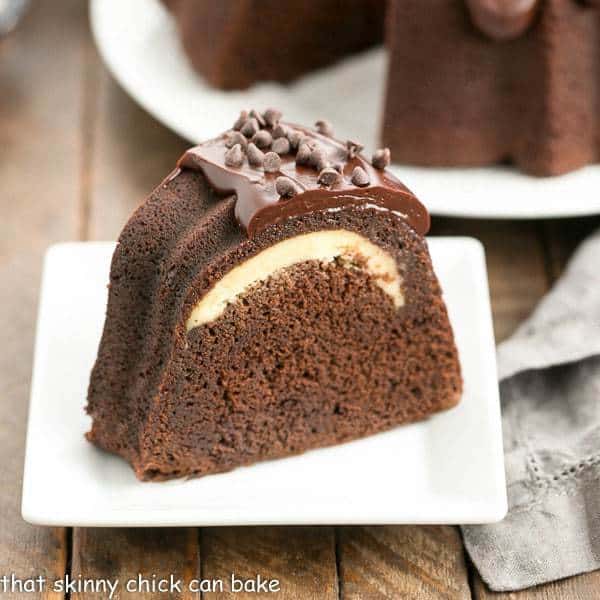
(479, 82)
(236, 43)
(274, 294)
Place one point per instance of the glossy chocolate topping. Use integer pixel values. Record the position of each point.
(312, 185)
(503, 19)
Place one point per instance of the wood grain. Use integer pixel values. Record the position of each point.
(561, 238)
(139, 558)
(402, 562)
(301, 558)
(130, 154)
(39, 170)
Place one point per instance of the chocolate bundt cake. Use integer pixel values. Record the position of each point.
(274, 294)
(470, 82)
(482, 81)
(234, 44)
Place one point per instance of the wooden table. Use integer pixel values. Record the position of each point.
(76, 156)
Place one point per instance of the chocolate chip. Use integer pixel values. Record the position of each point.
(241, 120)
(303, 154)
(259, 118)
(318, 159)
(262, 139)
(360, 177)
(234, 157)
(328, 176)
(324, 128)
(353, 148)
(255, 156)
(279, 131)
(281, 145)
(235, 137)
(272, 116)
(381, 159)
(250, 127)
(294, 138)
(272, 162)
(309, 141)
(286, 187)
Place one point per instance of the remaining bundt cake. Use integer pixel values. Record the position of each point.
(237, 43)
(470, 82)
(490, 81)
(273, 294)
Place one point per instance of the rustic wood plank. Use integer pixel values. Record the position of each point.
(142, 563)
(561, 238)
(126, 154)
(302, 559)
(516, 272)
(402, 562)
(39, 169)
(131, 155)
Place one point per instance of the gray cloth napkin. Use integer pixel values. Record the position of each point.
(550, 391)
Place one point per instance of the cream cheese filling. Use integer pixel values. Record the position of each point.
(354, 250)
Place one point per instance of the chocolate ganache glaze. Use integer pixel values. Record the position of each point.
(503, 19)
(278, 170)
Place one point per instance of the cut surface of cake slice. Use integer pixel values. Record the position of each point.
(274, 294)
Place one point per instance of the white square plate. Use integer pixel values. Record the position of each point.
(448, 469)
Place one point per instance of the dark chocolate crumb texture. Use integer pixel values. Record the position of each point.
(274, 294)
